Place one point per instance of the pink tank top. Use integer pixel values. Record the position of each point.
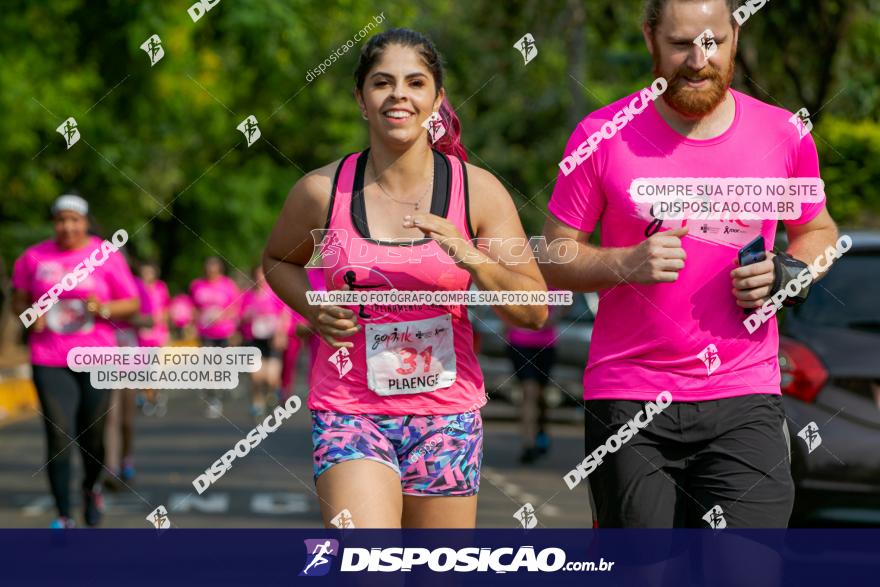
(407, 360)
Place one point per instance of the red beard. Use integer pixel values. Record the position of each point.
(693, 102)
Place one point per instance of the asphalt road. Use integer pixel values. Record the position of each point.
(272, 486)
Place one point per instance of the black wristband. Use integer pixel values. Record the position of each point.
(787, 269)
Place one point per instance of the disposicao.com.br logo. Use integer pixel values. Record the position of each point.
(320, 553)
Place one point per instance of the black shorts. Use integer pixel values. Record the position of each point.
(265, 346)
(691, 457)
(532, 363)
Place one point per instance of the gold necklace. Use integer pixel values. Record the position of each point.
(417, 204)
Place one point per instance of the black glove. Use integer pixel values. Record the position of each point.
(785, 270)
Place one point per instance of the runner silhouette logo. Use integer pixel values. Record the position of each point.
(70, 131)
(153, 48)
(319, 556)
(341, 360)
(435, 126)
(527, 47)
(250, 129)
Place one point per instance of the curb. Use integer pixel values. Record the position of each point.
(18, 397)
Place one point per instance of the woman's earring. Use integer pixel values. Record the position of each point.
(364, 115)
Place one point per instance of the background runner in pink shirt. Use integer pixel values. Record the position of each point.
(264, 324)
(157, 292)
(120, 426)
(68, 323)
(181, 313)
(156, 331)
(299, 334)
(82, 316)
(217, 301)
(533, 355)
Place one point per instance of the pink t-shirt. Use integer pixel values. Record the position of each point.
(262, 313)
(686, 337)
(157, 335)
(68, 324)
(180, 310)
(211, 298)
(543, 338)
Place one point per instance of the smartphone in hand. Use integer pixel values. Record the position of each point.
(753, 252)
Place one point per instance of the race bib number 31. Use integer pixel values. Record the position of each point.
(410, 357)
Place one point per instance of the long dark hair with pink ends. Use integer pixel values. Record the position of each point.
(449, 143)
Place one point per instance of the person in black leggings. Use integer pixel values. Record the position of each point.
(72, 409)
(80, 312)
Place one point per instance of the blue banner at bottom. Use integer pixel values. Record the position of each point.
(440, 557)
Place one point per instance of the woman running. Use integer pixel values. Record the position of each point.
(533, 354)
(215, 298)
(395, 390)
(119, 434)
(264, 323)
(81, 316)
(300, 334)
(155, 334)
(181, 314)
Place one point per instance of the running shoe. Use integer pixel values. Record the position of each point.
(62, 523)
(93, 502)
(128, 471)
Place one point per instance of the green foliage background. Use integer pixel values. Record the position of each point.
(160, 155)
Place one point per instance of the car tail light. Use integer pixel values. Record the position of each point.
(803, 375)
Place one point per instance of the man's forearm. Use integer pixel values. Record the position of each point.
(592, 269)
(809, 246)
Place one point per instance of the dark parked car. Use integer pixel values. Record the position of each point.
(829, 355)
